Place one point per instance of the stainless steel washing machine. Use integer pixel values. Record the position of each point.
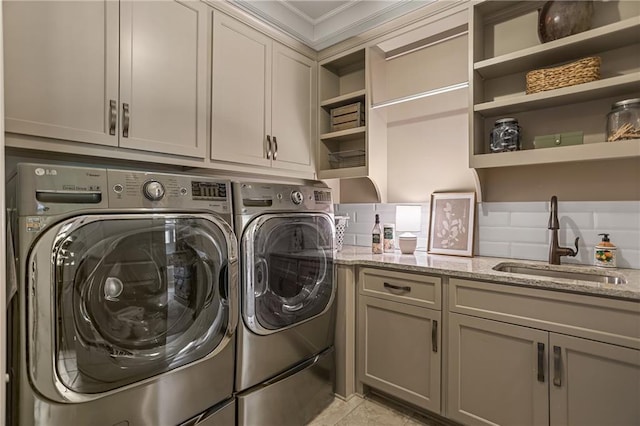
(285, 357)
(127, 298)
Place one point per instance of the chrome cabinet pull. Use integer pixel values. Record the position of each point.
(125, 120)
(275, 150)
(434, 336)
(397, 287)
(113, 116)
(557, 366)
(268, 147)
(541, 362)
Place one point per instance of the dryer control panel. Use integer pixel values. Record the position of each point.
(260, 197)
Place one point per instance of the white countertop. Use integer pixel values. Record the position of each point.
(481, 268)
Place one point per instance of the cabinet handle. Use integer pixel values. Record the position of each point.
(557, 366)
(268, 147)
(434, 336)
(125, 120)
(275, 148)
(113, 116)
(541, 362)
(397, 287)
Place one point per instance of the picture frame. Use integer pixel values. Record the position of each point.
(452, 223)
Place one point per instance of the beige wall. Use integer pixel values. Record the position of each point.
(610, 180)
(427, 139)
(429, 152)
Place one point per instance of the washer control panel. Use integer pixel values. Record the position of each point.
(162, 190)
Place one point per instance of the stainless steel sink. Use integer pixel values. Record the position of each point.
(557, 272)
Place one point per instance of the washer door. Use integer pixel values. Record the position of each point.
(288, 270)
(135, 296)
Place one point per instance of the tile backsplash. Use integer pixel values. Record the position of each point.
(518, 230)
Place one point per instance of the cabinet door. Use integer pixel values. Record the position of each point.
(241, 93)
(496, 373)
(163, 76)
(399, 350)
(61, 69)
(593, 383)
(293, 94)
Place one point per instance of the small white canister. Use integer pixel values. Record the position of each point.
(605, 253)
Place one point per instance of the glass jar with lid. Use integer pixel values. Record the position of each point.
(623, 122)
(505, 135)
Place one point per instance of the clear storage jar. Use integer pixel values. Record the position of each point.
(505, 135)
(623, 122)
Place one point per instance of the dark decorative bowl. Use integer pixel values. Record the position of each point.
(558, 19)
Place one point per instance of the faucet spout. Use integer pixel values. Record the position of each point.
(555, 251)
(553, 214)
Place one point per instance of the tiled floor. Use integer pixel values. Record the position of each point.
(370, 411)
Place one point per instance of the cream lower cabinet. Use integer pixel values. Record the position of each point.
(129, 74)
(399, 340)
(593, 383)
(262, 98)
(493, 373)
(533, 373)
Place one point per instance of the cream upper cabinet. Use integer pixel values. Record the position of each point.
(129, 74)
(293, 112)
(262, 94)
(241, 95)
(61, 70)
(163, 76)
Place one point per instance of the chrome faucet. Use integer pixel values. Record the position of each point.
(555, 251)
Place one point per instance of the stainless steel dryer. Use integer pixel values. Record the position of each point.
(285, 368)
(127, 304)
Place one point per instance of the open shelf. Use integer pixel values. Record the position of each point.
(498, 81)
(609, 37)
(613, 86)
(345, 172)
(348, 98)
(586, 152)
(343, 135)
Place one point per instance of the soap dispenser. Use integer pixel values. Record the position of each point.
(605, 253)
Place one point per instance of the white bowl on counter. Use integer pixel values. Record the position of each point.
(407, 243)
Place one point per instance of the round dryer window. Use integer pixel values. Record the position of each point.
(288, 272)
(137, 297)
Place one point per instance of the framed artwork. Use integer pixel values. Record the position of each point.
(451, 223)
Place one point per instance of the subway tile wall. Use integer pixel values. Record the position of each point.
(519, 230)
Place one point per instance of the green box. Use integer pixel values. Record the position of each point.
(559, 139)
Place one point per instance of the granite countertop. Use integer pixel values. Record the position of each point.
(481, 268)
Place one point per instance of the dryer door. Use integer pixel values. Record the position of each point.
(133, 296)
(288, 275)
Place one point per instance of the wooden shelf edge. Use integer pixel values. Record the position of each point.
(567, 154)
(346, 98)
(577, 93)
(342, 133)
(519, 60)
(347, 172)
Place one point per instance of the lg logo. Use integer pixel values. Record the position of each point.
(49, 172)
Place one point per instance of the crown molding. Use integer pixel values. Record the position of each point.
(335, 26)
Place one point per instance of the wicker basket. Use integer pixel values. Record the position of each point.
(578, 72)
